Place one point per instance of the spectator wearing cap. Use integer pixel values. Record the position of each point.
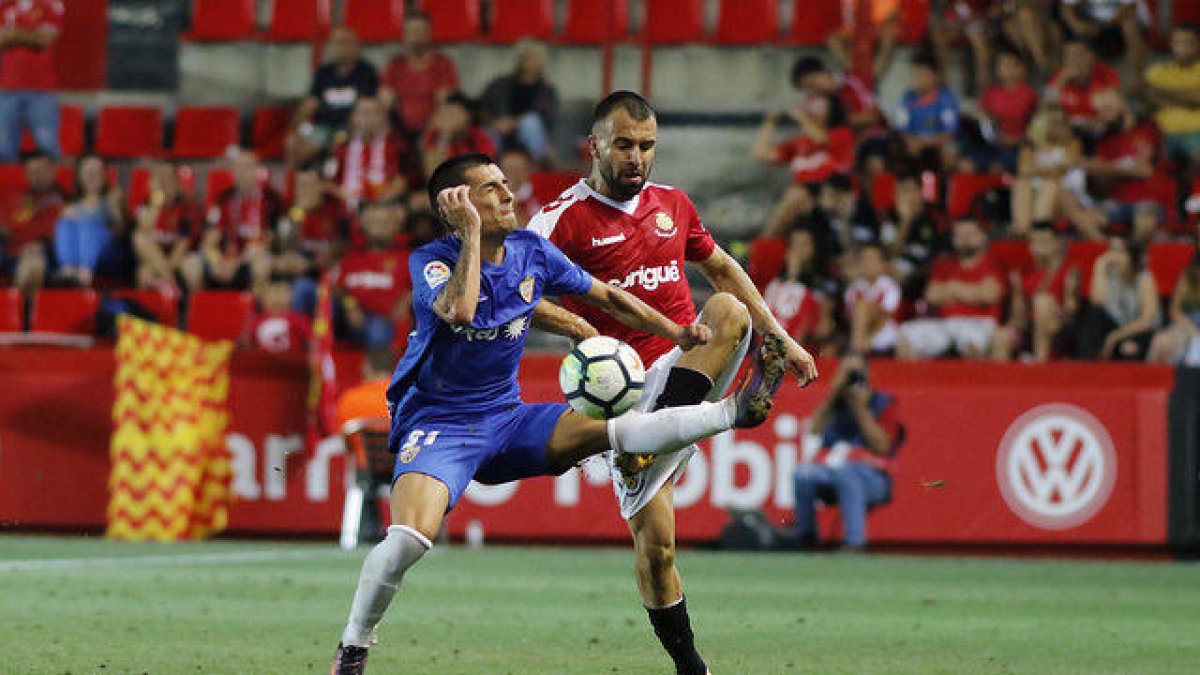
(418, 79)
(1175, 87)
(28, 30)
(521, 108)
(1081, 77)
(27, 224)
(965, 290)
(335, 90)
(928, 116)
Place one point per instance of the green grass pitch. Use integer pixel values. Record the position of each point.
(91, 606)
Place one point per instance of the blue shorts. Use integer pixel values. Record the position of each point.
(492, 447)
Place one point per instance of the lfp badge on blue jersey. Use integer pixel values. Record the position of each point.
(436, 273)
(526, 289)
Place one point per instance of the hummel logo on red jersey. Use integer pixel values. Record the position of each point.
(615, 239)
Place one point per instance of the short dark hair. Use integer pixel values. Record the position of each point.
(452, 173)
(1187, 27)
(629, 101)
(840, 182)
(926, 61)
(805, 66)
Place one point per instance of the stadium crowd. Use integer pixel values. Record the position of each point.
(1038, 211)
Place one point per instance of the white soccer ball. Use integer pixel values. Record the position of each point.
(602, 377)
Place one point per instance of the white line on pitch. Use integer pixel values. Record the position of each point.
(180, 559)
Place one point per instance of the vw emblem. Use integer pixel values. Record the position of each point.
(1056, 466)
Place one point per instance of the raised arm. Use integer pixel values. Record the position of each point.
(458, 299)
(631, 311)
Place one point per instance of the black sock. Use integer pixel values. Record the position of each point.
(674, 631)
(684, 387)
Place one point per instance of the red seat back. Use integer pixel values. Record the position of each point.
(964, 188)
(1167, 261)
(747, 22)
(766, 259)
(65, 311)
(12, 307)
(591, 22)
(270, 131)
(516, 19)
(453, 20)
(1082, 256)
(129, 132)
(217, 181)
(671, 22)
(206, 132)
(298, 20)
(375, 20)
(164, 306)
(219, 315)
(70, 133)
(222, 20)
(813, 21)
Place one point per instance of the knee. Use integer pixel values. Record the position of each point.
(1045, 309)
(727, 316)
(657, 556)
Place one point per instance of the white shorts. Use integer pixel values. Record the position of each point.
(933, 337)
(634, 495)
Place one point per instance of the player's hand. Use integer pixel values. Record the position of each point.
(693, 336)
(455, 205)
(800, 362)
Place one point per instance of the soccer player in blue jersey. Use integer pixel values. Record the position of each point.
(456, 411)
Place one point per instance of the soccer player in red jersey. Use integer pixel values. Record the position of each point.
(638, 235)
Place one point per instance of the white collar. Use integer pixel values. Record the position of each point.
(626, 207)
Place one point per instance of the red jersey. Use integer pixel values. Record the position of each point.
(375, 279)
(178, 221)
(811, 162)
(363, 168)
(280, 333)
(640, 245)
(1127, 146)
(1076, 97)
(245, 219)
(797, 306)
(1012, 109)
(30, 217)
(416, 89)
(951, 269)
(1036, 280)
(24, 68)
(322, 227)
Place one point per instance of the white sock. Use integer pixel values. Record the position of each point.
(381, 574)
(670, 429)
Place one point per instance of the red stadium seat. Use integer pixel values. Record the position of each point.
(12, 178)
(883, 191)
(217, 181)
(453, 20)
(766, 259)
(127, 132)
(205, 132)
(1167, 261)
(964, 188)
(70, 133)
(1011, 254)
(219, 315)
(548, 185)
(815, 20)
(592, 22)
(375, 20)
(914, 20)
(1082, 255)
(222, 20)
(270, 131)
(1184, 11)
(164, 306)
(748, 22)
(672, 22)
(62, 311)
(516, 19)
(298, 21)
(12, 307)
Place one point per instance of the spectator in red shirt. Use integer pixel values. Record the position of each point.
(314, 230)
(419, 79)
(792, 297)
(277, 328)
(872, 302)
(453, 131)
(373, 283)
(369, 163)
(815, 81)
(335, 89)
(1079, 79)
(1009, 106)
(27, 224)
(28, 29)
(1045, 293)
(236, 246)
(824, 146)
(1126, 154)
(168, 231)
(966, 290)
(517, 164)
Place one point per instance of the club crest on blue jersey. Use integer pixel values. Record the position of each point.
(526, 289)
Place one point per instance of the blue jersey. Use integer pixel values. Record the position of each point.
(475, 367)
(930, 115)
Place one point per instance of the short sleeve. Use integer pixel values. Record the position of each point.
(563, 277)
(700, 244)
(429, 273)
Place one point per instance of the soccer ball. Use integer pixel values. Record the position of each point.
(602, 377)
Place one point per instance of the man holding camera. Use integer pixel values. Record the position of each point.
(860, 431)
